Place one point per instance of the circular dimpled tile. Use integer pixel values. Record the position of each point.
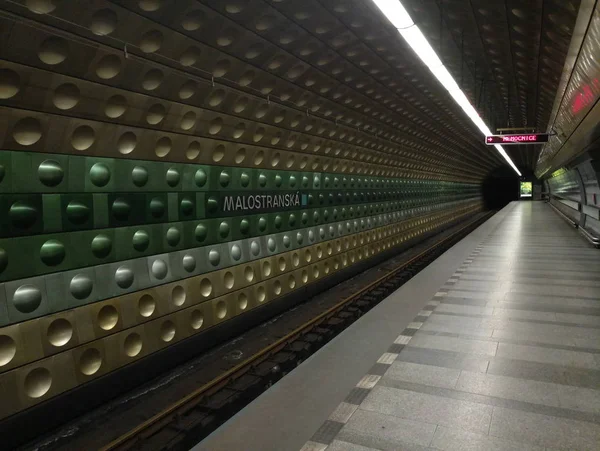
(151, 41)
(101, 246)
(236, 252)
(140, 240)
(100, 174)
(120, 209)
(221, 309)
(108, 317)
(278, 222)
(245, 226)
(152, 79)
(159, 269)
(221, 68)
(146, 306)
(81, 286)
(83, 137)
(115, 107)
(8, 350)
(157, 207)
(104, 22)
(196, 319)
(124, 277)
(216, 125)
(193, 20)
(132, 345)
(287, 241)
(52, 252)
(167, 331)
(187, 90)
(108, 67)
(228, 280)
(200, 178)
(60, 332)
(242, 301)
(304, 276)
(163, 147)
(262, 224)
(206, 287)
(193, 150)
(239, 130)
(37, 382)
(27, 131)
(150, 5)
(189, 263)
(178, 295)
(186, 206)
(261, 294)
(201, 232)
(173, 236)
(53, 51)
(66, 96)
(139, 176)
(224, 178)
(262, 180)
(224, 229)
(266, 268)
(190, 56)
(90, 361)
(249, 274)
(156, 113)
(188, 121)
(41, 6)
(50, 173)
(255, 248)
(213, 257)
(172, 177)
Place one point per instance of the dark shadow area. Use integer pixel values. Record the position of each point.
(499, 188)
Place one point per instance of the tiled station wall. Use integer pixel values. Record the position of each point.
(576, 193)
(115, 167)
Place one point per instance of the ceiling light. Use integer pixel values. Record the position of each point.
(400, 18)
(395, 12)
(413, 36)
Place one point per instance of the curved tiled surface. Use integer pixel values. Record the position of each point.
(137, 142)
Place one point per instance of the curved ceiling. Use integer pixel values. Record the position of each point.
(510, 54)
(333, 75)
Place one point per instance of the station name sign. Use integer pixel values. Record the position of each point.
(262, 202)
(531, 138)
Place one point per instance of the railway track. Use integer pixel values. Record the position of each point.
(195, 416)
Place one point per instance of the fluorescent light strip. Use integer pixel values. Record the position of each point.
(400, 18)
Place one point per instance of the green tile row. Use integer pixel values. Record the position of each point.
(32, 214)
(32, 172)
(41, 254)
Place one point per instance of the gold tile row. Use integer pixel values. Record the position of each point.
(38, 132)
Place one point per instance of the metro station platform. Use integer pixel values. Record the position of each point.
(494, 346)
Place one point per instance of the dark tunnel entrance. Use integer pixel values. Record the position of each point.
(499, 188)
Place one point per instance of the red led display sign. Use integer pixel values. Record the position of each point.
(531, 138)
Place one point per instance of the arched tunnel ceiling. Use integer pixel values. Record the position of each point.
(513, 52)
(332, 78)
(340, 66)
